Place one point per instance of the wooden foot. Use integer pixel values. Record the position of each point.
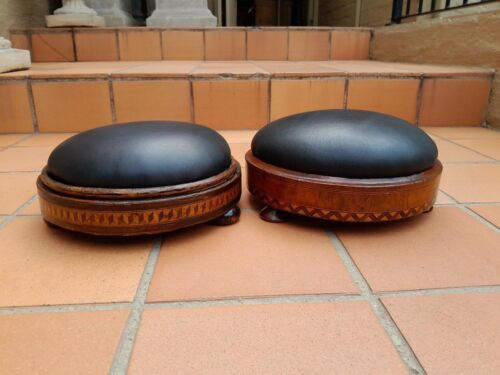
(49, 224)
(272, 216)
(230, 217)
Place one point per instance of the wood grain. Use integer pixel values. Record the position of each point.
(343, 199)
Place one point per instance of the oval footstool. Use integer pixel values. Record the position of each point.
(140, 178)
(343, 165)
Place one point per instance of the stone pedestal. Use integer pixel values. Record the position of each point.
(74, 13)
(115, 12)
(181, 13)
(11, 58)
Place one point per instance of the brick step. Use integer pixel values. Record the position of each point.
(152, 44)
(70, 97)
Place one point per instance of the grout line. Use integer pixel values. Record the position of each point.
(26, 137)
(31, 99)
(125, 347)
(401, 345)
(440, 291)
(112, 104)
(257, 300)
(9, 218)
(470, 149)
(419, 104)
(191, 100)
(467, 210)
(4, 311)
(346, 93)
(260, 300)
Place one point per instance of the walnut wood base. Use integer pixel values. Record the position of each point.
(128, 212)
(341, 199)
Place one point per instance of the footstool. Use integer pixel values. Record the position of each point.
(343, 165)
(140, 178)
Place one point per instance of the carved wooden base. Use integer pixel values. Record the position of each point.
(341, 199)
(128, 212)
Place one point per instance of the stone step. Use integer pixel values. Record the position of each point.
(71, 97)
(154, 44)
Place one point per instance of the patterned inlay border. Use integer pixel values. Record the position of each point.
(335, 215)
(155, 216)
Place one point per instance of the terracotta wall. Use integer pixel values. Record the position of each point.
(468, 40)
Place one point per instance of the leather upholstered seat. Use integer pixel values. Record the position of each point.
(346, 143)
(140, 155)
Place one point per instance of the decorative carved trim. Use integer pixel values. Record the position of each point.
(326, 214)
(342, 199)
(102, 216)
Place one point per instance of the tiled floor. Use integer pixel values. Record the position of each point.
(419, 296)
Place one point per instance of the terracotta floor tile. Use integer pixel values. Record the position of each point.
(445, 248)
(20, 159)
(238, 136)
(50, 266)
(369, 68)
(226, 44)
(45, 140)
(32, 209)
(238, 150)
(251, 258)
(15, 190)
(96, 45)
(152, 100)
(443, 199)
(19, 40)
(9, 139)
(490, 213)
(85, 69)
(139, 44)
(228, 68)
(160, 69)
(60, 343)
(183, 45)
(248, 200)
(350, 45)
(60, 108)
(489, 147)
(459, 102)
(287, 69)
(472, 182)
(291, 96)
(15, 108)
(448, 151)
(231, 104)
(396, 97)
(267, 44)
(314, 338)
(53, 46)
(461, 132)
(451, 334)
(445, 70)
(308, 45)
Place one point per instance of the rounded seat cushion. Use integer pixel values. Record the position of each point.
(345, 143)
(140, 155)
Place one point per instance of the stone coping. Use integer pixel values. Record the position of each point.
(242, 70)
(230, 28)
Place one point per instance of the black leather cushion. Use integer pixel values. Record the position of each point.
(345, 143)
(140, 155)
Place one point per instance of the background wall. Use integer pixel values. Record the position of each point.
(22, 13)
(466, 40)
